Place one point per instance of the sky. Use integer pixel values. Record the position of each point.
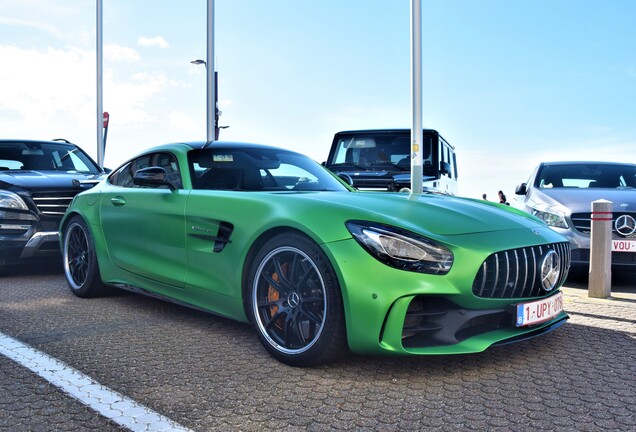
(508, 83)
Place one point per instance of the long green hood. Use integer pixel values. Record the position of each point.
(441, 215)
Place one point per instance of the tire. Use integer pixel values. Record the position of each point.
(80, 261)
(294, 302)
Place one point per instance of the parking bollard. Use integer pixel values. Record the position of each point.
(600, 280)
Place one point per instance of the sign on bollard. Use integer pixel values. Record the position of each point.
(600, 281)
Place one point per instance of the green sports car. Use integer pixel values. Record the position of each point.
(268, 236)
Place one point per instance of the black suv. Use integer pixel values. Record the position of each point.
(38, 180)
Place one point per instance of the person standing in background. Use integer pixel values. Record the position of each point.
(502, 198)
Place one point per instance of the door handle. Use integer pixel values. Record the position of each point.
(118, 201)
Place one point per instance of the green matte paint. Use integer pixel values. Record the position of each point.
(157, 241)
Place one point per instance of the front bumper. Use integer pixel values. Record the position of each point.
(39, 245)
(580, 245)
(390, 311)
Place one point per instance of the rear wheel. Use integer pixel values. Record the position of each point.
(295, 302)
(80, 261)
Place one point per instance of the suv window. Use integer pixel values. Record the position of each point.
(43, 156)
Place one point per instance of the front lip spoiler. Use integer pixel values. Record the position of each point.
(32, 247)
(532, 334)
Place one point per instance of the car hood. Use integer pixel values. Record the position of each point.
(579, 200)
(437, 214)
(46, 179)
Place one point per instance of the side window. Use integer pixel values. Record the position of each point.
(168, 162)
(454, 166)
(124, 176)
(341, 152)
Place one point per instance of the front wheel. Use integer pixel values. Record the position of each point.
(80, 261)
(295, 302)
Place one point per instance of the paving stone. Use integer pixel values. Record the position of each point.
(211, 374)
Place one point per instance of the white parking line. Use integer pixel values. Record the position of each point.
(105, 401)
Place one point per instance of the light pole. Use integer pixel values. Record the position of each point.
(212, 131)
(416, 97)
(217, 113)
(100, 80)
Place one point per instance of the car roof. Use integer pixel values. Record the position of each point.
(31, 141)
(195, 145)
(588, 162)
(382, 131)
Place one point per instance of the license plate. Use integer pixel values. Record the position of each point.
(623, 245)
(539, 311)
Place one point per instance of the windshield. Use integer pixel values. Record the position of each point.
(586, 175)
(42, 156)
(370, 150)
(258, 169)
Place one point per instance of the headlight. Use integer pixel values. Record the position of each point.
(401, 249)
(552, 218)
(12, 201)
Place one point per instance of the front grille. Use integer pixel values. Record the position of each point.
(432, 321)
(583, 223)
(582, 256)
(53, 203)
(516, 273)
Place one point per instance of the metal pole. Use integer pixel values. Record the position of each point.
(100, 79)
(600, 281)
(211, 88)
(416, 88)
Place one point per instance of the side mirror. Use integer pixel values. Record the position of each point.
(152, 177)
(347, 178)
(522, 189)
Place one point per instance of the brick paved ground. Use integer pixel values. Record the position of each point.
(208, 373)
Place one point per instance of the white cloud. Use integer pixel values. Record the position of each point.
(44, 101)
(51, 93)
(157, 41)
(128, 96)
(181, 121)
(117, 53)
(37, 25)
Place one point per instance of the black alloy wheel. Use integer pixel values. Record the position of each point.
(295, 302)
(80, 262)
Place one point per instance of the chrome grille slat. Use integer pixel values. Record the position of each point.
(583, 223)
(507, 274)
(53, 203)
(519, 274)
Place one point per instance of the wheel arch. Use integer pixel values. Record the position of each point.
(258, 244)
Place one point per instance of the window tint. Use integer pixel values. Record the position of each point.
(583, 176)
(124, 175)
(258, 169)
(44, 156)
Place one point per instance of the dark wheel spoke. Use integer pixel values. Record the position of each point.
(273, 320)
(294, 268)
(273, 283)
(298, 330)
(302, 279)
(279, 271)
(269, 304)
(311, 317)
(313, 299)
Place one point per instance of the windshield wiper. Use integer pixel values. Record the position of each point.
(349, 164)
(389, 163)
